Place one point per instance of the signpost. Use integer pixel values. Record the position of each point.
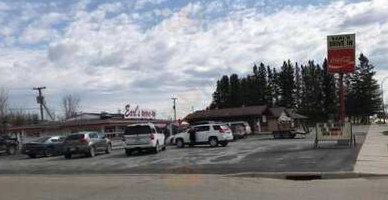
(341, 132)
(341, 53)
(341, 59)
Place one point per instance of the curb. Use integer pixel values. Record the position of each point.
(308, 175)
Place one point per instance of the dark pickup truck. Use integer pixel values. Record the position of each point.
(8, 145)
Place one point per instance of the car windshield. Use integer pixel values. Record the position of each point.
(42, 139)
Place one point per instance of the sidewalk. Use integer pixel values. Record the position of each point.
(373, 156)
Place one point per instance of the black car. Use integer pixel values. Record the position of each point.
(8, 145)
(45, 146)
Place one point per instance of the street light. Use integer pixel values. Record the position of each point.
(382, 93)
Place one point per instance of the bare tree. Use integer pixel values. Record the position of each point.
(3, 109)
(70, 105)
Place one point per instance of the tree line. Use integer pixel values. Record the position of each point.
(309, 89)
(19, 117)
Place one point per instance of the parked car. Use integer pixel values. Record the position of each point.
(240, 129)
(45, 146)
(8, 145)
(88, 143)
(144, 136)
(212, 134)
(170, 140)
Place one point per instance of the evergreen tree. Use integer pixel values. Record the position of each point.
(330, 100)
(312, 96)
(235, 92)
(364, 91)
(224, 92)
(298, 87)
(254, 97)
(244, 91)
(276, 88)
(216, 102)
(262, 85)
(270, 91)
(286, 85)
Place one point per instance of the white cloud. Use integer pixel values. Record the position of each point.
(37, 34)
(141, 3)
(185, 53)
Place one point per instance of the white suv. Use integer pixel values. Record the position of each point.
(145, 136)
(240, 129)
(212, 134)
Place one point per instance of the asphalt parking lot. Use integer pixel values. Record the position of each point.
(253, 154)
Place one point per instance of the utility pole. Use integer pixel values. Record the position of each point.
(382, 94)
(174, 107)
(40, 100)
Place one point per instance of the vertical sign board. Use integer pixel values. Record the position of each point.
(341, 53)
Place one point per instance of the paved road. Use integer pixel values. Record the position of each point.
(186, 187)
(254, 154)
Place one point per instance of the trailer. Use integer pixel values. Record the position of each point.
(289, 128)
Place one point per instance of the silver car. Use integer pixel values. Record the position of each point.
(88, 143)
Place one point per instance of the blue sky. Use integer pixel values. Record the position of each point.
(143, 52)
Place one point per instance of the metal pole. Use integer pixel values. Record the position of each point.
(382, 93)
(341, 98)
(174, 107)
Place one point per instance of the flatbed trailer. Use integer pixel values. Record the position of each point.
(286, 130)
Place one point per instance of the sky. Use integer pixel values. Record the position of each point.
(144, 52)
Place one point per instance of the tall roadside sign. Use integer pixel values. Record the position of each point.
(341, 53)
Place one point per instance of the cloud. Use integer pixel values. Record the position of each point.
(140, 4)
(109, 51)
(62, 51)
(35, 35)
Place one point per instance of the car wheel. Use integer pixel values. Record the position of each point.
(224, 143)
(157, 148)
(128, 152)
(108, 149)
(213, 142)
(32, 155)
(179, 143)
(11, 150)
(92, 152)
(48, 153)
(67, 155)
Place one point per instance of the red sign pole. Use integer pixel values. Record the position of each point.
(341, 57)
(342, 98)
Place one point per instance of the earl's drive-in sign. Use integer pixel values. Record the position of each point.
(341, 53)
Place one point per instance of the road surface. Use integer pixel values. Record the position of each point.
(170, 187)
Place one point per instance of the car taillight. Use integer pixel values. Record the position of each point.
(152, 137)
(83, 140)
(221, 131)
